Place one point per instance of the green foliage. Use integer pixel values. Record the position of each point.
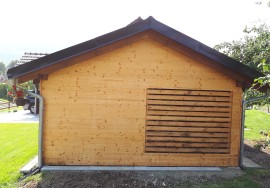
(2, 68)
(3, 92)
(2, 72)
(252, 50)
(18, 145)
(264, 142)
(256, 122)
(4, 88)
(253, 93)
(17, 91)
(30, 85)
(12, 64)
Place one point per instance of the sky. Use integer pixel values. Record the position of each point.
(48, 26)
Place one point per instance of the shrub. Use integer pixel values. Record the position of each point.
(264, 142)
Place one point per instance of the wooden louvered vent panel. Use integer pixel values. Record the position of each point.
(188, 121)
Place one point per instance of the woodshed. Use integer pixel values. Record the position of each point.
(143, 95)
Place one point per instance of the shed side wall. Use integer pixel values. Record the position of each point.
(95, 111)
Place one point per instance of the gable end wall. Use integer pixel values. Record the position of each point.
(95, 111)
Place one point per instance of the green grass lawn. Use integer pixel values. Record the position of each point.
(18, 145)
(256, 121)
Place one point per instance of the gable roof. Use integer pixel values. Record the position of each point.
(136, 27)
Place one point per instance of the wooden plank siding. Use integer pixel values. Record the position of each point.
(176, 130)
(95, 111)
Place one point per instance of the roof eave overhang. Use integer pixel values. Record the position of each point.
(128, 32)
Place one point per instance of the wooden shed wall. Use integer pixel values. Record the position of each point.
(95, 111)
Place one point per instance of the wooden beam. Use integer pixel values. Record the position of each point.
(36, 81)
(241, 84)
(43, 76)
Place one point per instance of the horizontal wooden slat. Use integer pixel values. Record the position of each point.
(188, 98)
(181, 113)
(187, 103)
(190, 108)
(186, 144)
(187, 124)
(189, 92)
(186, 150)
(190, 129)
(188, 121)
(184, 118)
(185, 139)
(186, 134)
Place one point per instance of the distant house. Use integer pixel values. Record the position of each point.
(143, 95)
(29, 56)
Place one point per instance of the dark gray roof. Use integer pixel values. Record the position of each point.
(137, 26)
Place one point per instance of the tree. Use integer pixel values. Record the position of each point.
(3, 91)
(254, 51)
(2, 72)
(12, 64)
(2, 68)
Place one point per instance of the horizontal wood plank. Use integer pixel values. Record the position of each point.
(188, 98)
(187, 129)
(188, 113)
(187, 144)
(186, 134)
(189, 108)
(187, 103)
(186, 139)
(186, 118)
(187, 92)
(187, 124)
(186, 150)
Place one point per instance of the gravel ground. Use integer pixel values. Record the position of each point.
(118, 179)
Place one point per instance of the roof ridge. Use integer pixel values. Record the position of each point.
(139, 19)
